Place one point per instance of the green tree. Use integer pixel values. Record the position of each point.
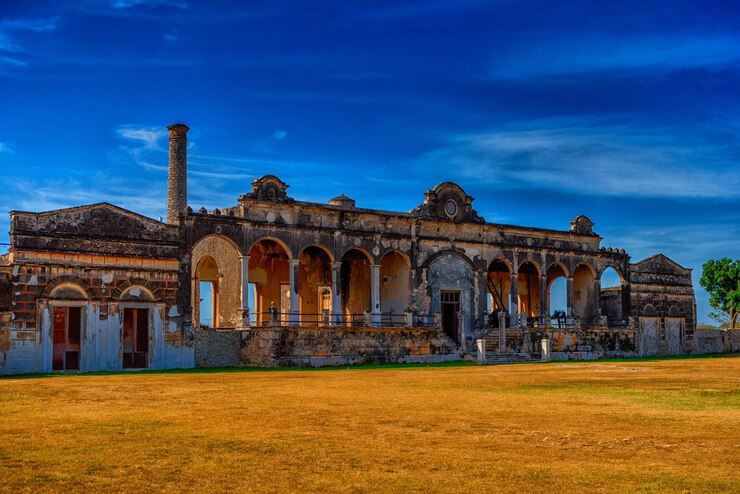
(721, 279)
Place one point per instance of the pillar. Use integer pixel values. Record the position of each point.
(177, 173)
(514, 308)
(336, 290)
(569, 297)
(295, 312)
(544, 303)
(245, 290)
(375, 295)
(597, 300)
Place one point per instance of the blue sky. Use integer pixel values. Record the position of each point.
(627, 112)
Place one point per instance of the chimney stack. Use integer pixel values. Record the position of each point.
(177, 175)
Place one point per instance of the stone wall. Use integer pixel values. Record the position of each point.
(716, 341)
(318, 347)
(214, 348)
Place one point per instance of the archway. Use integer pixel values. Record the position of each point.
(611, 300)
(528, 289)
(206, 293)
(355, 283)
(584, 293)
(450, 285)
(314, 285)
(499, 287)
(269, 280)
(557, 293)
(221, 291)
(67, 313)
(395, 287)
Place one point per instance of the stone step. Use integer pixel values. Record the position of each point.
(512, 358)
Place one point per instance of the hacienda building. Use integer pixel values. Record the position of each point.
(292, 283)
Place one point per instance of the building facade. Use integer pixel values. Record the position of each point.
(288, 282)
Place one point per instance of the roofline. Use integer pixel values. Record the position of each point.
(84, 206)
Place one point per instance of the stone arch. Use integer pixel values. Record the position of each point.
(674, 311)
(528, 288)
(395, 286)
(68, 291)
(225, 290)
(614, 268)
(450, 286)
(649, 310)
(563, 266)
(431, 259)
(397, 252)
(556, 288)
(314, 283)
(318, 246)
(498, 284)
(69, 280)
(282, 243)
(343, 252)
(136, 293)
(354, 274)
(585, 293)
(269, 278)
(612, 301)
(131, 282)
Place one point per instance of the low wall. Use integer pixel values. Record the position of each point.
(716, 341)
(321, 346)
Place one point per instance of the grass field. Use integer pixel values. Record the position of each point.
(639, 426)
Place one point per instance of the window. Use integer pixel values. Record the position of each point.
(450, 208)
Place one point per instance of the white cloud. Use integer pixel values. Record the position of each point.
(6, 148)
(279, 135)
(585, 156)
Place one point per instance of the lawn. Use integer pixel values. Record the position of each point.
(639, 426)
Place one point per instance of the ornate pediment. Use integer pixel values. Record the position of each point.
(582, 225)
(268, 188)
(448, 201)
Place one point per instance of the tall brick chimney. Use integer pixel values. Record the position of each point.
(177, 175)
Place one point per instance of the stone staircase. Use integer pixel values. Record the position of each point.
(512, 358)
(494, 356)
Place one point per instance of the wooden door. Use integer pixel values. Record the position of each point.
(66, 341)
(135, 339)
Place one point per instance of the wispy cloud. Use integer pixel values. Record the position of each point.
(661, 52)
(592, 157)
(144, 147)
(10, 29)
(6, 148)
(129, 4)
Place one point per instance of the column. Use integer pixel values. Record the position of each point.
(295, 311)
(245, 290)
(336, 294)
(514, 307)
(375, 295)
(544, 305)
(597, 300)
(569, 295)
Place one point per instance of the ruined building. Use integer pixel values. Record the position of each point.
(289, 282)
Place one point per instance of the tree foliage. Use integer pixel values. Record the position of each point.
(721, 279)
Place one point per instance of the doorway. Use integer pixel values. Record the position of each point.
(66, 338)
(135, 339)
(450, 309)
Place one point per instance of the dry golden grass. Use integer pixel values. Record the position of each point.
(642, 426)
